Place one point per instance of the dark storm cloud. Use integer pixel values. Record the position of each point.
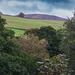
(47, 0)
(50, 1)
(55, 0)
(66, 4)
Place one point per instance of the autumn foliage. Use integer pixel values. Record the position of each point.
(33, 46)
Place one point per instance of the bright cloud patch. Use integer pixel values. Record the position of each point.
(62, 12)
(18, 3)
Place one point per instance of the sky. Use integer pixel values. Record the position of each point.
(61, 8)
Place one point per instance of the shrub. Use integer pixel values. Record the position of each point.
(68, 43)
(17, 65)
(12, 60)
(55, 66)
(2, 23)
(29, 63)
(33, 46)
(11, 65)
(34, 31)
(7, 45)
(51, 35)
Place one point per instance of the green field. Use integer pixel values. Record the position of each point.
(17, 31)
(22, 23)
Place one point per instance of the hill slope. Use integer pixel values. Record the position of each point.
(21, 23)
(41, 16)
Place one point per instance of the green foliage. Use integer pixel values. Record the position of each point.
(21, 64)
(2, 23)
(32, 31)
(53, 37)
(29, 62)
(68, 43)
(55, 66)
(60, 34)
(49, 34)
(7, 45)
(12, 65)
(7, 33)
(12, 60)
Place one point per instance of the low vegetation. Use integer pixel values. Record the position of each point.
(68, 43)
(33, 46)
(39, 51)
(55, 66)
(48, 33)
(12, 60)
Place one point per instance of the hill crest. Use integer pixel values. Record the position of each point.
(41, 17)
(38, 16)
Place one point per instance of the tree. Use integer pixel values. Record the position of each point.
(21, 15)
(12, 60)
(33, 46)
(34, 31)
(2, 23)
(51, 35)
(68, 44)
(6, 43)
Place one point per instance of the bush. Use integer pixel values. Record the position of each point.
(29, 63)
(33, 46)
(7, 33)
(12, 60)
(17, 65)
(34, 31)
(2, 23)
(8, 46)
(55, 66)
(51, 35)
(11, 65)
(68, 43)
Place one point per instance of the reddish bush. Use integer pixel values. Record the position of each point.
(33, 46)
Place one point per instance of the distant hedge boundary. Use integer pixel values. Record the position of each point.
(16, 28)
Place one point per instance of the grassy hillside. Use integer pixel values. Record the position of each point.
(22, 23)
